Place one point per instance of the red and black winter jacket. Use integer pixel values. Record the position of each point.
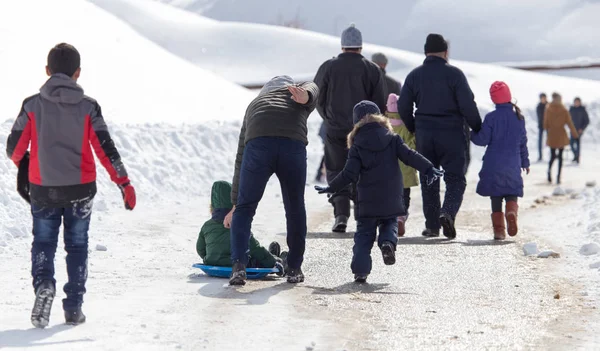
(63, 126)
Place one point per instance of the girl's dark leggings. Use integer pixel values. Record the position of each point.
(497, 201)
(406, 199)
(553, 157)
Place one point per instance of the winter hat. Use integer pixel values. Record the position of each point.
(435, 43)
(380, 59)
(500, 93)
(276, 83)
(351, 38)
(392, 103)
(364, 108)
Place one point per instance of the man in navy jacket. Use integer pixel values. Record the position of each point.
(444, 102)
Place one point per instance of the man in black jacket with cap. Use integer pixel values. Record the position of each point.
(344, 81)
(444, 103)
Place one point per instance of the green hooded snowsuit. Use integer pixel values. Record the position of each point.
(214, 244)
(409, 175)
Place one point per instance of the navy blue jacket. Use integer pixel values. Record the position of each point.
(373, 165)
(505, 136)
(580, 117)
(442, 96)
(540, 109)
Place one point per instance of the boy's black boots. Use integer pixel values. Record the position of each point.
(275, 249)
(44, 296)
(388, 251)
(75, 317)
(341, 222)
(447, 223)
(238, 274)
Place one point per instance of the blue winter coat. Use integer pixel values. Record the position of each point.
(505, 136)
(373, 165)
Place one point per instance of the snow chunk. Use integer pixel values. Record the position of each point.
(100, 247)
(589, 249)
(311, 347)
(558, 191)
(530, 249)
(548, 253)
(595, 265)
(100, 206)
(590, 184)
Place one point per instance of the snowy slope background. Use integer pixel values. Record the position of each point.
(482, 31)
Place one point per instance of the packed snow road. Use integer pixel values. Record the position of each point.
(469, 293)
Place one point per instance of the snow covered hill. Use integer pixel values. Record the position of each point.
(249, 53)
(483, 31)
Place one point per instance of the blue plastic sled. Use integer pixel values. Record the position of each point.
(225, 272)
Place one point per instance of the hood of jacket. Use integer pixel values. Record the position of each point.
(373, 133)
(220, 199)
(60, 88)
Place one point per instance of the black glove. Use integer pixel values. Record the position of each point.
(432, 175)
(323, 189)
(23, 178)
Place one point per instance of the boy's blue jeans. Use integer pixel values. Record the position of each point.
(263, 157)
(364, 238)
(46, 225)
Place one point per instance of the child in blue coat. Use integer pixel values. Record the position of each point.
(503, 132)
(373, 165)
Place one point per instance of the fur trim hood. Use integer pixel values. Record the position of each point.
(369, 119)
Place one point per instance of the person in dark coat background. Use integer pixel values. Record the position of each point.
(541, 108)
(344, 81)
(373, 165)
(392, 86)
(504, 134)
(581, 120)
(444, 104)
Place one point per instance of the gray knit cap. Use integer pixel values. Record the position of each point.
(351, 38)
(380, 59)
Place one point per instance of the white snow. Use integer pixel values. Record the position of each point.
(217, 46)
(589, 249)
(485, 31)
(530, 249)
(559, 191)
(548, 254)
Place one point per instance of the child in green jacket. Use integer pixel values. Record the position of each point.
(214, 244)
(409, 175)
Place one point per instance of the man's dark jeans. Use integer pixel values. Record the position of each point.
(263, 157)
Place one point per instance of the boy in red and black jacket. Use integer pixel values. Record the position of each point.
(61, 126)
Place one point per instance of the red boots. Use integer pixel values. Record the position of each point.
(512, 209)
(401, 223)
(499, 228)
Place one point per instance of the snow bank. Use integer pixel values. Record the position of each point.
(484, 31)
